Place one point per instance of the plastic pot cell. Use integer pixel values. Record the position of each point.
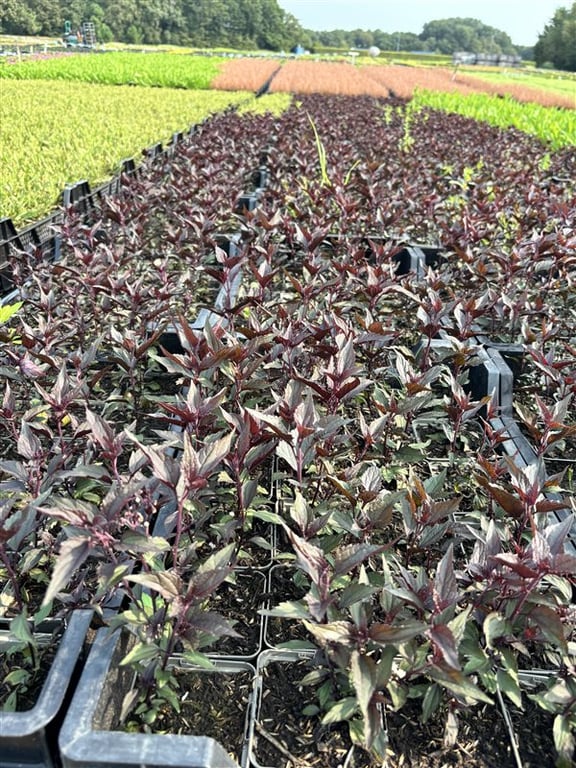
(492, 376)
(91, 736)
(280, 733)
(246, 203)
(29, 738)
(240, 600)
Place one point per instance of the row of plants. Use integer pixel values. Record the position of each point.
(47, 142)
(404, 84)
(546, 116)
(163, 70)
(560, 82)
(553, 125)
(311, 419)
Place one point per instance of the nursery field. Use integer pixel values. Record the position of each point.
(293, 413)
(83, 115)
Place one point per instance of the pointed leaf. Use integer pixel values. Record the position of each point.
(341, 710)
(73, 552)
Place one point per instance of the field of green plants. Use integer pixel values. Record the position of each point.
(121, 68)
(554, 126)
(56, 133)
(564, 83)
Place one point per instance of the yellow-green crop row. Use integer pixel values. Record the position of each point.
(120, 68)
(274, 103)
(56, 133)
(564, 84)
(555, 127)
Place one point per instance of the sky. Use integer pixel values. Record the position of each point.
(523, 20)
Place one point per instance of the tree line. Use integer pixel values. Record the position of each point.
(556, 45)
(263, 24)
(201, 23)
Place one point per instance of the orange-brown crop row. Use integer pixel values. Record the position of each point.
(297, 77)
(346, 79)
(338, 78)
(402, 81)
(245, 74)
(521, 92)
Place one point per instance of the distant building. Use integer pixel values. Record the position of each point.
(486, 59)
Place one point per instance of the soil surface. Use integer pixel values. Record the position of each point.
(212, 704)
(240, 602)
(483, 739)
(284, 738)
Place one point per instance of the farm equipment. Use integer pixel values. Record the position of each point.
(85, 36)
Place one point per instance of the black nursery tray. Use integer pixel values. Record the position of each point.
(28, 739)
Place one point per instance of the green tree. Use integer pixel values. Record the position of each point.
(17, 18)
(557, 43)
(450, 35)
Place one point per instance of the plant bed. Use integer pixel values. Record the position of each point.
(92, 735)
(483, 740)
(280, 732)
(239, 600)
(284, 583)
(28, 738)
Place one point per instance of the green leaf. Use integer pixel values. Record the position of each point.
(166, 584)
(340, 632)
(8, 310)
(509, 685)
(355, 593)
(551, 626)
(434, 484)
(459, 684)
(169, 694)
(431, 701)
(356, 731)
(341, 710)
(495, 626)
(11, 703)
(140, 542)
(384, 665)
(266, 515)
(289, 609)
(140, 652)
(42, 613)
(299, 511)
(17, 677)
(399, 694)
(395, 634)
(198, 660)
(73, 552)
(315, 677)
(20, 628)
(220, 559)
(353, 556)
(564, 741)
(364, 679)
(477, 659)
